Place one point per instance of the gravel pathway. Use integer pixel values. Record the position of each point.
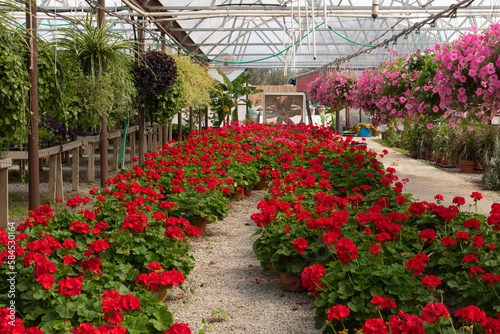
(229, 277)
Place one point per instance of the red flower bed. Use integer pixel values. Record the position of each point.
(340, 219)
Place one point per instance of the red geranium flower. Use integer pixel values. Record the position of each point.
(46, 280)
(472, 223)
(439, 198)
(476, 196)
(338, 312)
(99, 245)
(490, 277)
(469, 258)
(346, 250)
(433, 312)
(462, 236)
(374, 326)
(416, 265)
(471, 314)
(311, 276)
(68, 259)
(33, 330)
(405, 323)
(300, 245)
(478, 241)
(383, 303)
(476, 270)
(173, 232)
(375, 249)
(70, 286)
(91, 264)
(431, 280)
(458, 200)
(79, 227)
(416, 208)
(447, 241)
(179, 328)
(428, 234)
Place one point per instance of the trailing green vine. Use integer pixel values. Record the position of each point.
(14, 85)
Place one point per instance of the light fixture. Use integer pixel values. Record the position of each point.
(375, 8)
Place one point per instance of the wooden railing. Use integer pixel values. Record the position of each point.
(54, 156)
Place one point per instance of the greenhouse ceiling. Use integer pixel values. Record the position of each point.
(238, 34)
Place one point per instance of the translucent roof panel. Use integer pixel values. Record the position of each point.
(293, 33)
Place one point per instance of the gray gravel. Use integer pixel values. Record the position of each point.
(228, 276)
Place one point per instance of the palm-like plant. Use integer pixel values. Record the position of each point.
(6, 19)
(235, 90)
(95, 47)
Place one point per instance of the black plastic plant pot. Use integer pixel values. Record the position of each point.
(98, 70)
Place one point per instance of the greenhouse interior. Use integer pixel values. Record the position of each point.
(249, 166)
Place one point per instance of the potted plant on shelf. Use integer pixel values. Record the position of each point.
(441, 144)
(100, 76)
(486, 137)
(464, 149)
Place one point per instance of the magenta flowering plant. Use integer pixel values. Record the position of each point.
(398, 89)
(467, 76)
(365, 93)
(333, 90)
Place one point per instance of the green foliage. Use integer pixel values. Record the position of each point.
(491, 176)
(8, 21)
(463, 147)
(95, 48)
(55, 75)
(14, 86)
(220, 105)
(114, 92)
(196, 82)
(444, 136)
(155, 73)
(412, 136)
(162, 107)
(101, 84)
(391, 135)
(231, 92)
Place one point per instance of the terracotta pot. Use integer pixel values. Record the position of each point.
(263, 183)
(467, 166)
(439, 161)
(201, 224)
(237, 195)
(414, 154)
(248, 191)
(291, 283)
(162, 290)
(427, 156)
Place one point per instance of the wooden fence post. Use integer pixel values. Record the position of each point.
(75, 163)
(4, 192)
(91, 169)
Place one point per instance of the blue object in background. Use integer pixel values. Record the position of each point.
(363, 132)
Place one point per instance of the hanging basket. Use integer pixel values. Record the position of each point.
(88, 64)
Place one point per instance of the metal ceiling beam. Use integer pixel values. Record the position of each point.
(338, 29)
(178, 35)
(234, 8)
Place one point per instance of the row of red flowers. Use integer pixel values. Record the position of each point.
(353, 239)
(99, 268)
